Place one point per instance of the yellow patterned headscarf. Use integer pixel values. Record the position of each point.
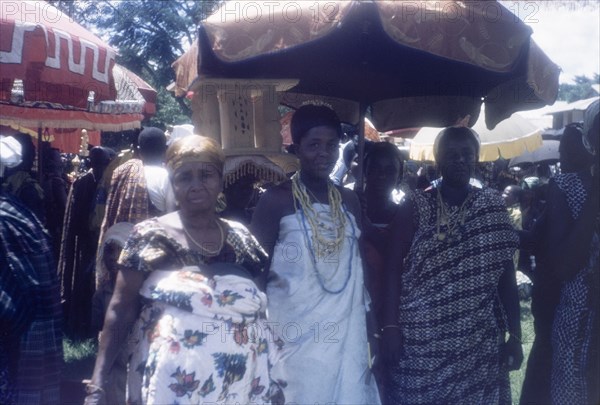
(194, 148)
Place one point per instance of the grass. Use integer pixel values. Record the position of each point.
(79, 357)
(517, 376)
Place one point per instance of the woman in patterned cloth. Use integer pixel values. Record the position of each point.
(568, 193)
(572, 223)
(452, 291)
(186, 281)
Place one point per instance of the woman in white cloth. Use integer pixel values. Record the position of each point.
(311, 230)
(186, 285)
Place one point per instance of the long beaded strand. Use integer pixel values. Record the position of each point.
(307, 212)
(323, 246)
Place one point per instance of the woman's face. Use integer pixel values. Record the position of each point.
(196, 186)
(383, 174)
(112, 250)
(456, 159)
(318, 151)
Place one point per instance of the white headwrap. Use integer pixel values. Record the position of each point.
(10, 153)
(180, 131)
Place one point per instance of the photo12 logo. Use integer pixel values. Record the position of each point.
(286, 11)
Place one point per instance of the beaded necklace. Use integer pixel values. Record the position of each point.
(453, 220)
(315, 244)
(324, 247)
(204, 250)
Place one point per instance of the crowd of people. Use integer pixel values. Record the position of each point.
(313, 290)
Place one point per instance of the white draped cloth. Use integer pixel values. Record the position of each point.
(325, 356)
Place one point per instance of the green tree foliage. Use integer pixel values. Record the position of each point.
(149, 36)
(581, 90)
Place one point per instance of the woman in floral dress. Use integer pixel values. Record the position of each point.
(186, 284)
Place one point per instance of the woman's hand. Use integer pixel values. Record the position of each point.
(95, 395)
(512, 353)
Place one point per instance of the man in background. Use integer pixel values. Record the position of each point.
(31, 354)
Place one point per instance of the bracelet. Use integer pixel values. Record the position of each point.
(92, 389)
(389, 326)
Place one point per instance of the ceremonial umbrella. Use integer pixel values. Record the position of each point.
(511, 137)
(411, 64)
(548, 152)
(56, 74)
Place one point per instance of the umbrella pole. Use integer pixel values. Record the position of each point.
(361, 147)
(39, 154)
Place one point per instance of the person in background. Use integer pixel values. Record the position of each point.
(140, 187)
(117, 159)
(536, 189)
(346, 155)
(563, 362)
(512, 196)
(31, 355)
(239, 196)
(425, 176)
(188, 277)
(451, 288)
(55, 196)
(20, 181)
(109, 251)
(78, 247)
(574, 157)
(383, 167)
(529, 215)
(311, 229)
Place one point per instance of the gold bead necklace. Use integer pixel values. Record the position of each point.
(201, 247)
(323, 246)
(451, 220)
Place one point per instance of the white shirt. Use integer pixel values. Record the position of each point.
(159, 188)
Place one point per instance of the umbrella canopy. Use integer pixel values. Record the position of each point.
(132, 88)
(57, 59)
(548, 152)
(56, 74)
(413, 64)
(509, 138)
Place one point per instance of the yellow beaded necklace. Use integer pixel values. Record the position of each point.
(323, 246)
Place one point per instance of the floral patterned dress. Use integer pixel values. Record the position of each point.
(199, 338)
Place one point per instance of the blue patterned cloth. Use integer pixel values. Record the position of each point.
(575, 327)
(30, 312)
(450, 314)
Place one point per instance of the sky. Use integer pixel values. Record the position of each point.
(567, 31)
